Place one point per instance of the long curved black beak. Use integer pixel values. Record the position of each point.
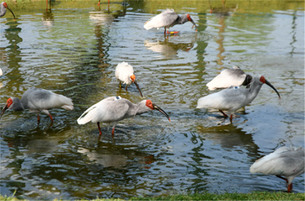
(138, 88)
(162, 111)
(270, 85)
(11, 12)
(3, 110)
(194, 25)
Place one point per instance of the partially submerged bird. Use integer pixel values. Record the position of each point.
(167, 19)
(38, 100)
(234, 98)
(3, 7)
(114, 109)
(125, 74)
(230, 78)
(285, 161)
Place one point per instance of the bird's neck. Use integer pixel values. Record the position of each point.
(141, 107)
(255, 87)
(17, 105)
(182, 19)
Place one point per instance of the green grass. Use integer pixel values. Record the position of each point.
(209, 196)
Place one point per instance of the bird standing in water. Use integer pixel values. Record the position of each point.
(285, 161)
(234, 98)
(114, 109)
(38, 100)
(124, 73)
(167, 19)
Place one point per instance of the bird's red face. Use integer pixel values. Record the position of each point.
(155, 107)
(189, 17)
(133, 77)
(4, 4)
(9, 102)
(149, 104)
(262, 79)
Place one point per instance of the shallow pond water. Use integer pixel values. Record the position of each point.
(72, 48)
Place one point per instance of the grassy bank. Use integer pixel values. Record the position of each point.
(209, 196)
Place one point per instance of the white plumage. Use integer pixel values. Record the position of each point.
(114, 109)
(125, 74)
(166, 19)
(233, 98)
(285, 161)
(1, 72)
(228, 78)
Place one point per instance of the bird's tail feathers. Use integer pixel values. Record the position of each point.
(86, 116)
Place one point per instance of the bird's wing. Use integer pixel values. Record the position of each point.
(39, 99)
(226, 99)
(164, 19)
(227, 78)
(286, 162)
(107, 110)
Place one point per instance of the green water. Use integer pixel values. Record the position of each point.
(73, 47)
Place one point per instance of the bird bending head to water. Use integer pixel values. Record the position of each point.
(114, 109)
(125, 74)
(3, 7)
(166, 19)
(38, 100)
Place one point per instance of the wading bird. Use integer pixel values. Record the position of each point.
(38, 100)
(166, 19)
(1, 72)
(230, 78)
(114, 109)
(234, 98)
(3, 7)
(285, 161)
(124, 73)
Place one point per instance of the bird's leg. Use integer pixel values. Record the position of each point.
(113, 131)
(282, 178)
(164, 31)
(38, 118)
(289, 188)
(224, 114)
(99, 128)
(51, 119)
(231, 117)
(126, 87)
(120, 85)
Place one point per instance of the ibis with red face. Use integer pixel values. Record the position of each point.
(3, 8)
(125, 74)
(114, 109)
(234, 98)
(167, 19)
(38, 100)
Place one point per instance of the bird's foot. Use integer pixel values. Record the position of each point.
(172, 32)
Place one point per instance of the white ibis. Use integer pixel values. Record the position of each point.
(38, 100)
(285, 161)
(1, 72)
(124, 73)
(3, 7)
(234, 98)
(114, 109)
(166, 19)
(230, 78)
